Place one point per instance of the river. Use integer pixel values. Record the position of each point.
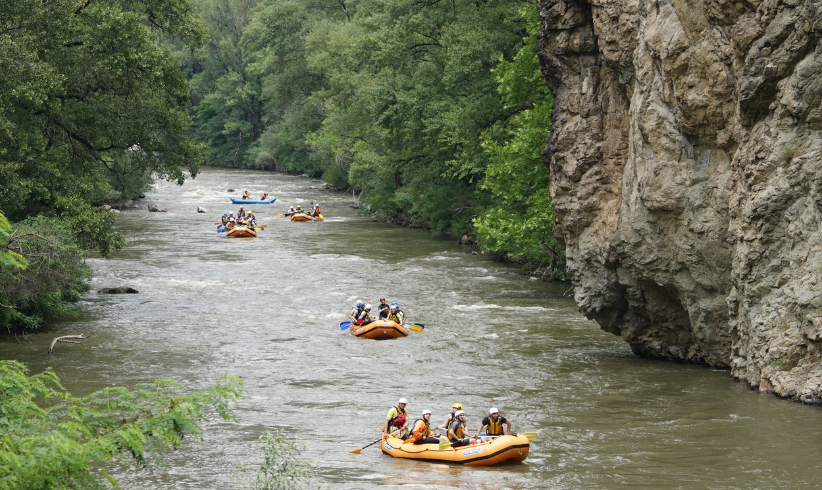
(268, 310)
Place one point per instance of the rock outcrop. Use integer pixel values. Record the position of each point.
(118, 290)
(686, 162)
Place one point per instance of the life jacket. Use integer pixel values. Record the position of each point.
(494, 428)
(421, 431)
(399, 420)
(393, 318)
(363, 317)
(457, 432)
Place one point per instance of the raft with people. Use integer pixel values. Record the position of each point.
(502, 449)
(252, 201)
(240, 231)
(306, 217)
(379, 330)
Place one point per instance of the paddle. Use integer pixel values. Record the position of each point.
(357, 451)
(416, 328)
(345, 326)
(530, 435)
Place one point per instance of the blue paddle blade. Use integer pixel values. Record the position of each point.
(345, 325)
(418, 324)
(223, 230)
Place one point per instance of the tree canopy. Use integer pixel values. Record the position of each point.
(89, 100)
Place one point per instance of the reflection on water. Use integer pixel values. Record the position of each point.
(268, 310)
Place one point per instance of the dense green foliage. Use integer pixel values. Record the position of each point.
(90, 105)
(436, 110)
(51, 439)
(518, 222)
(54, 277)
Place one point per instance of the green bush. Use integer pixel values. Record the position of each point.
(52, 440)
(56, 275)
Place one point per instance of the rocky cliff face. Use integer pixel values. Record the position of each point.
(686, 158)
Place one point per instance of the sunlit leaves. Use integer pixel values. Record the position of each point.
(51, 439)
(519, 220)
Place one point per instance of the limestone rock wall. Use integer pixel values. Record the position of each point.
(686, 162)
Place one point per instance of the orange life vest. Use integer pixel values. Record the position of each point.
(421, 429)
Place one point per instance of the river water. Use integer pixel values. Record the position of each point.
(268, 310)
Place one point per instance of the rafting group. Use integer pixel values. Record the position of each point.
(242, 225)
(402, 439)
(390, 323)
(313, 213)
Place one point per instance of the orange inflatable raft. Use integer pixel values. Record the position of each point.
(379, 330)
(503, 449)
(241, 232)
(305, 217)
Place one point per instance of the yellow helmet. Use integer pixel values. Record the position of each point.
(458, 406)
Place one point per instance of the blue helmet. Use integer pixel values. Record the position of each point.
(360, 303)
(395, 304)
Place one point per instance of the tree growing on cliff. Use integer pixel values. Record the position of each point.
(51, 439)
(519, 220)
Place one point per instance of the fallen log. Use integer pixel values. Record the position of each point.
(65, 338)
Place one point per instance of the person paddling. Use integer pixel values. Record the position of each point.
(494, 422)
(358, 309)
(395, 314)
(291, 211)
(241, 213)
(421, 430)
(396, 421)
(245, 195)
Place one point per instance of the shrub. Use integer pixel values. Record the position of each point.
(56, 274)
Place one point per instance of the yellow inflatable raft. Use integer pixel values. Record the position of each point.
(241, 232)
(379, 330)
(503, 449)
(305, 217)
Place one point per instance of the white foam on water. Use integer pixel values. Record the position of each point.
(491, 336)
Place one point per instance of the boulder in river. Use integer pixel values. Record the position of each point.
(156, 208)
(201, 210)
(120, 290)
(230, 190)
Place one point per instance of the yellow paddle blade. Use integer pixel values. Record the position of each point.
(217, 223)
(280, 216)
(530, 435)
(321, 216)
(415, 328)
(445, 445)
(263, 226)
(356, 451)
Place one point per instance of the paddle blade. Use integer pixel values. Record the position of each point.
(530, 435)
(418, 324)
(356, 451)
(217, 223)
(415, 328)
(345, 325)
(278, 215)
(445, 445)
(263, 226)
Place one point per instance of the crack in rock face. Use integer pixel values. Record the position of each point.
(686, 166)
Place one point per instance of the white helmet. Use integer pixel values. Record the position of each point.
(459, 412)
(402, 400)
(494, 410)
(368, 306)
(426, 412)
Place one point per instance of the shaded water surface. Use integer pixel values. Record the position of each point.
(268, 310)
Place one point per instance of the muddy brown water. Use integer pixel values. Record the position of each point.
(268, 310)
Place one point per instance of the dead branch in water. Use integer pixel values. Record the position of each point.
(63, 339)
